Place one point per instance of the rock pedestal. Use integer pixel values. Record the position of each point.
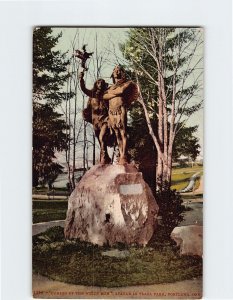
(111, 204)
(189, 239)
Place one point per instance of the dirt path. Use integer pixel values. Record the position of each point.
(198, 191)
(41, 227)
(44, 288)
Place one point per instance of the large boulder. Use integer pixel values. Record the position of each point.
(189, 239)
(111, 204)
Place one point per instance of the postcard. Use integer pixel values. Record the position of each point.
(117, 187)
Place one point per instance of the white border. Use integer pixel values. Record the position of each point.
(16, 20)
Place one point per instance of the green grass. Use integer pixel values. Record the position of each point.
(180, 186)
(181, 176)
(49, 210)
(41, 215)
(45, 190)
(41, 190)
(187, 169)
(191, 197)
(82, 263)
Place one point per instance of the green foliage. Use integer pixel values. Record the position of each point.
(49, 66)
(142, 149)
(140, 53)
(49, 75)
(186, 143)
(140, 145)
(143, 49)
(48, 137)
(171, 209)
(82, 263)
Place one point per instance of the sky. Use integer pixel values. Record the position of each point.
(108, 41)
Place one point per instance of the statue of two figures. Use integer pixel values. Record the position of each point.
(107, 111)
(111, 203)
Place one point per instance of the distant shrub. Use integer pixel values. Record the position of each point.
(171, 209)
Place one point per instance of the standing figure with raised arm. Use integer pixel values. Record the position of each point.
(120, 95)
(96, 113)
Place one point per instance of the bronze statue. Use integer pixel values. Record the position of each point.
(96, 113)
(120, 95)
(83, 56)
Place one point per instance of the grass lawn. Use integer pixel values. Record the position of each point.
(181, 176)
(82, 263)
(45, 190)
(191, 197)
(49, 210)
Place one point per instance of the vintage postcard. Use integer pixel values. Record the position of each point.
(117, 191)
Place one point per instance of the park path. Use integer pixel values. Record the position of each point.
(41, 227)
(198, 191)
(44, 288)
(191, 183)
(195, 215)
(46, 197)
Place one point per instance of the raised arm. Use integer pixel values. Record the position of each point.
(89, 93)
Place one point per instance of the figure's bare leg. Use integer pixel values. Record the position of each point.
(123, 155)
(104, 157)
(119, 142)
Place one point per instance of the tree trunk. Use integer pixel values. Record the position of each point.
(74, 129)
(170, 158)
(159, 171)
(69, 137)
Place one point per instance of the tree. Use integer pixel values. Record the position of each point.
(49, 135)
(168, 68)
(49, 67)
(186, 143)
(142, 149)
